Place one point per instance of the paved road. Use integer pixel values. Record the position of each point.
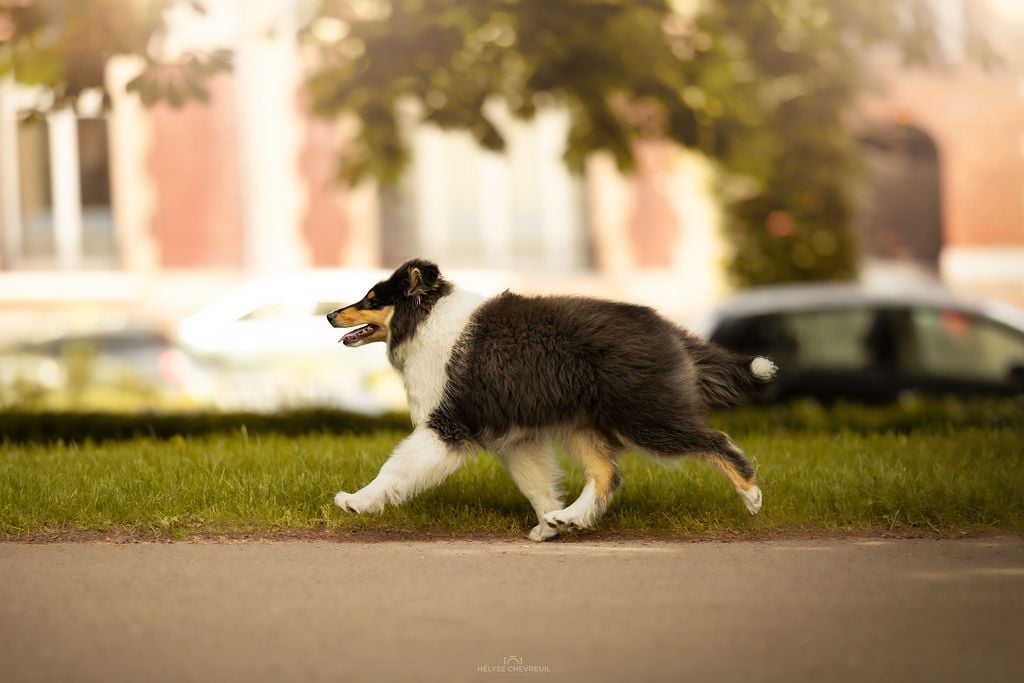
(310, 611)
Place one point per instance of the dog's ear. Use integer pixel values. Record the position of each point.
(422, 276)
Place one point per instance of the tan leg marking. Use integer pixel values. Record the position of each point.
(730, 471)
(594, 454)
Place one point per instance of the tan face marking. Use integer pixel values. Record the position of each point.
(350, 316)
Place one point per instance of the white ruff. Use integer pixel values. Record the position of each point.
(422, 360)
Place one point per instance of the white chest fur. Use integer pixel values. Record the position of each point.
(422, 359)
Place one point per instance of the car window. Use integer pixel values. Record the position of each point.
(834, 339)
(953, 344)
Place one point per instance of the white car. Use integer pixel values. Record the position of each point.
(267, 344)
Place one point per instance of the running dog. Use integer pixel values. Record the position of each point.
(514, 374)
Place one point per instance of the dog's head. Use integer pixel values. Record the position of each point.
(405, 292)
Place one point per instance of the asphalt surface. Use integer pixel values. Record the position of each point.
(857, 610)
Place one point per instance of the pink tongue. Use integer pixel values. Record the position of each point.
(356, 334)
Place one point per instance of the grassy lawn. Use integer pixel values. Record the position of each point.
(944, 478)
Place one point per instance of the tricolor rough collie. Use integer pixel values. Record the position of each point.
(514, 374)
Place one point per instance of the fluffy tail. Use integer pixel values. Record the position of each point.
(725, 378)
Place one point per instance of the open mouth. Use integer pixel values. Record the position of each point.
(358, 335)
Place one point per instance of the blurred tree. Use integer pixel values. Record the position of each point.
(64, 46)
(760, 86)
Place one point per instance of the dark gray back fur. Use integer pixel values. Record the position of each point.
(536, 362)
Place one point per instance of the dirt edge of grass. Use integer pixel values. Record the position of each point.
(129, 536)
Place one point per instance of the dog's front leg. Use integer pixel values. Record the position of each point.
(421, 461)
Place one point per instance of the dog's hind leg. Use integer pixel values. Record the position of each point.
(421, 461)
(714, 447)
(531, 464)
(603, 477)
(728, 458)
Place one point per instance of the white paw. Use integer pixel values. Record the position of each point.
(357, 502)
(542, 532)
(562, 520)
(752, 498)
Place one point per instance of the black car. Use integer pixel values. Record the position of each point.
(850, 342)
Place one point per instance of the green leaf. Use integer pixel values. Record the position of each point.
(196, 89)
(173, 95)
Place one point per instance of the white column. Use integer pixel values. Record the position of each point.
(494, 192)
(64, 181)
(561, 232)
(611, 201)
(431, 191)
(10, 190)
(132, 187)
(268, 72)
(495, 209)
(698, 258)
(362, 208)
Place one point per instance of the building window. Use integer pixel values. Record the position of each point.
(900, 216)
(36, 213)
(55, 185)
(99, 244)
(469, 207)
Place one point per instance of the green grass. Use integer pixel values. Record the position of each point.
(941, 480)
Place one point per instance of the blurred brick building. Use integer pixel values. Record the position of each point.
(155, 211)
(945, 149)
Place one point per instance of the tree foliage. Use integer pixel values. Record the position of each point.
(760, 86)
(64, 46)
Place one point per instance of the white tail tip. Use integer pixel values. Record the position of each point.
(763, 368)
